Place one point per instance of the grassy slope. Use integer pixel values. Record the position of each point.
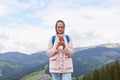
(34, 76)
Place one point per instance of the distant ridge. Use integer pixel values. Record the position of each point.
(111, 45)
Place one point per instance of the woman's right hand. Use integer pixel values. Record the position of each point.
(58, 45)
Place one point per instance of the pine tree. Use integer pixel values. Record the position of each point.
(96, 74)
(102, 74)
(116, 71)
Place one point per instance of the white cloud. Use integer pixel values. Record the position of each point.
(87, 24)
(27, 39)
(3, 10)
(13, 6)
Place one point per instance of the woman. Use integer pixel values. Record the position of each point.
(60, 50)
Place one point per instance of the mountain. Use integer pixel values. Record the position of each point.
(85, 59)
(12, 62)
(24, 59)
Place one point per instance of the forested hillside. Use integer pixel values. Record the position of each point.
(108, 72)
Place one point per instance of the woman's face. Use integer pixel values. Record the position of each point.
(60, 28)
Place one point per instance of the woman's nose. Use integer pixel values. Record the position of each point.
(60, 28)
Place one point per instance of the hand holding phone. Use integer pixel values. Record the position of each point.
(61, 43)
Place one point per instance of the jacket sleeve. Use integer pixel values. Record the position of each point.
(51, 50)
(69, 50)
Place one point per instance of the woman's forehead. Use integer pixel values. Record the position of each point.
(60, 23)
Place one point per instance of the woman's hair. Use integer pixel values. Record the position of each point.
(61, 22)
(58, 22)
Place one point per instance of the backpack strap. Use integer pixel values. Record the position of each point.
(53, 39)
(67, 38)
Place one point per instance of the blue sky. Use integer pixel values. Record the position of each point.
(26, 25)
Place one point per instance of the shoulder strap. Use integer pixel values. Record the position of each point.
(53, 38)
(67, 38)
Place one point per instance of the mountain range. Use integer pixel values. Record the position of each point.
(85, 59)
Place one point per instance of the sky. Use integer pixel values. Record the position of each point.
(27, 25)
